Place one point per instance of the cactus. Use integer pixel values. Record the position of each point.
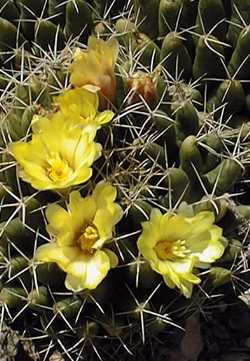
(178, 142)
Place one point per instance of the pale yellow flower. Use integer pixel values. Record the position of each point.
(82, 106)
(59, 155)
(79, 107)
(175, 245)
(94, 68)
(80, 234)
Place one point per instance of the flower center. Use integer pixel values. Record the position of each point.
(167, 250)
(88, 238)
(58, 169)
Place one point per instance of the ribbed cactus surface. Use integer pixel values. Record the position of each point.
(166, 85)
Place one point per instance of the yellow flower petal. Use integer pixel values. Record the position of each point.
(202, 221)
(81, 210)
(80, 231)
(87, 272)
(174, 228)
(52, 252)
(92, 88)
(113, 259)
(95, 67)
(60, 155)
(59, 224)
(180, 266)
(22, 151)
(109, 48)
(104, 193)
(73, 283)
(214, 249)
(151, 233)
(78, 101)
(104, 117)
(184, 282)
(103, 222)
(174, 245)
(39, 123)
(97, 269)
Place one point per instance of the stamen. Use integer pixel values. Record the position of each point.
(88, 238)
(171, 250)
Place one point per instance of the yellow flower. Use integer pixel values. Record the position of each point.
(82, 106)
(80, 233)
(174, 245)
(58, 156)
(94, 68)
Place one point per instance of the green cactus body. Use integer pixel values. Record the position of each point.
(240, 9)
(177, 183)
(69, 307)
(190, 158)
(19, 119)
(233, 250)
(148, 52)
(220, 276)
(3, 254)
(168, 13)
(166, 130)
(155, 152)
(211, 19)
(5, 198)
(40, 95)
(145, 278)
(207, 62)
(163, 92)
(147, 11)
(9, 172)
(14, 126)
(57, 9)
(240, 62)
(15, 232)
(38, 298)
(244, 211)
(8, 11)
(29, 11)
(22, 99)
(126, 32)
(175, 57)
(78, 20)
(231, 93)
(214, 146)
(26, 120)
(3, 81)
(139, 212)
(51, 275)
(9, 37)
(48, 35)
(171, 10)
(176, 148)
(13, 297)
(187, 119)
(218, 206)
(17, 264)
(223, 177)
